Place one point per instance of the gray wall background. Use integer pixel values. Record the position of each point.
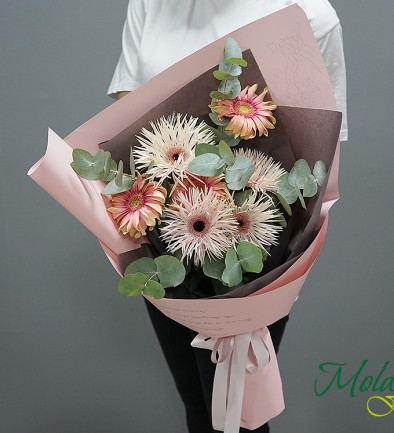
(75, 355)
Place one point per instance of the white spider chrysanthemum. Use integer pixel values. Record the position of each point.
(267, 173)
(199, 223)
(257, 223)
(170, 145)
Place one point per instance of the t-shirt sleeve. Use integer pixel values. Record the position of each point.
(126, 72)
(331, 46)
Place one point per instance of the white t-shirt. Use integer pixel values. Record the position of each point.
(158, 33)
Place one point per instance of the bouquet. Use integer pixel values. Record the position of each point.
(213, 203)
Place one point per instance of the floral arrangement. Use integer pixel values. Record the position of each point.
(218, 207)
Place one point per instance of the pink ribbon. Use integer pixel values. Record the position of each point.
(235, 357)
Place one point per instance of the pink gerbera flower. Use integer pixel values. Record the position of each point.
(249, 113)
(138, 208)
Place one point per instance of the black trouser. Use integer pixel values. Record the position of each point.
(193, 370)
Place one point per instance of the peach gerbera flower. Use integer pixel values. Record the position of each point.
(249, 113)
(217, 184)
(138, 208)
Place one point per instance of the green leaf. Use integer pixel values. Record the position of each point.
(320, 172)
(280, 219)
(233, 86)
(287, 191)
(144, 265)
(239, 173)
(219, 135)
(300, 197)
(107, 175)
(298, 173)
(111, 187)
(207, 165)
(250, 257)
(233, 141)
(221, 289)
(119, 176)
(221, 75)
(241, 196)
(232, 49)
(154, 289)
(310, 186)
(232, 274)
(214, 118)
(132, 164)
(284, 203)
(213, 268)
(202, 148)
(226, 153)
(83, 159)
(85, 174)
(151, 164)
(215, 94)
(237, 61)
(132, 285)
(171, 271)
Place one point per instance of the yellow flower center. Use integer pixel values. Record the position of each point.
(244, 108)
(136, 202)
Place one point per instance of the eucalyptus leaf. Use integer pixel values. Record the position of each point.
(300, 197)
(233, 86)
(132, 163)
(202, 148)
(232, 274)
(221, 289)
(154, 289)
(119, 175)
(99, 161)
(284, 203)
(226, 153)
(111, 187)
(214, 118)
(215, 94)
(219, 135)
(85, 174)
(241, 196)
(299, 173)
(264, 253)
(250, 257)
(229, 67)
(151, 164)
(83, 159)
(320, 172)
(110, 167)
(233, 141)
(132, 285)
(213, 268)
(171, 271)
(232, 49)
(237, 61)
(285, 190)
(221, 75)
(239, 173)
(310, 186)
(206, 165)
(144, 265)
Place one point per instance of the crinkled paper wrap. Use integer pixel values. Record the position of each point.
(284, 55)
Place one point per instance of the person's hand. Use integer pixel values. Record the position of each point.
(121, 94)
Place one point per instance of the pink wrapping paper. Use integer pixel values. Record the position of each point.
(289, 58)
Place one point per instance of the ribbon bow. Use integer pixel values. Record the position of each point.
(234, 356)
